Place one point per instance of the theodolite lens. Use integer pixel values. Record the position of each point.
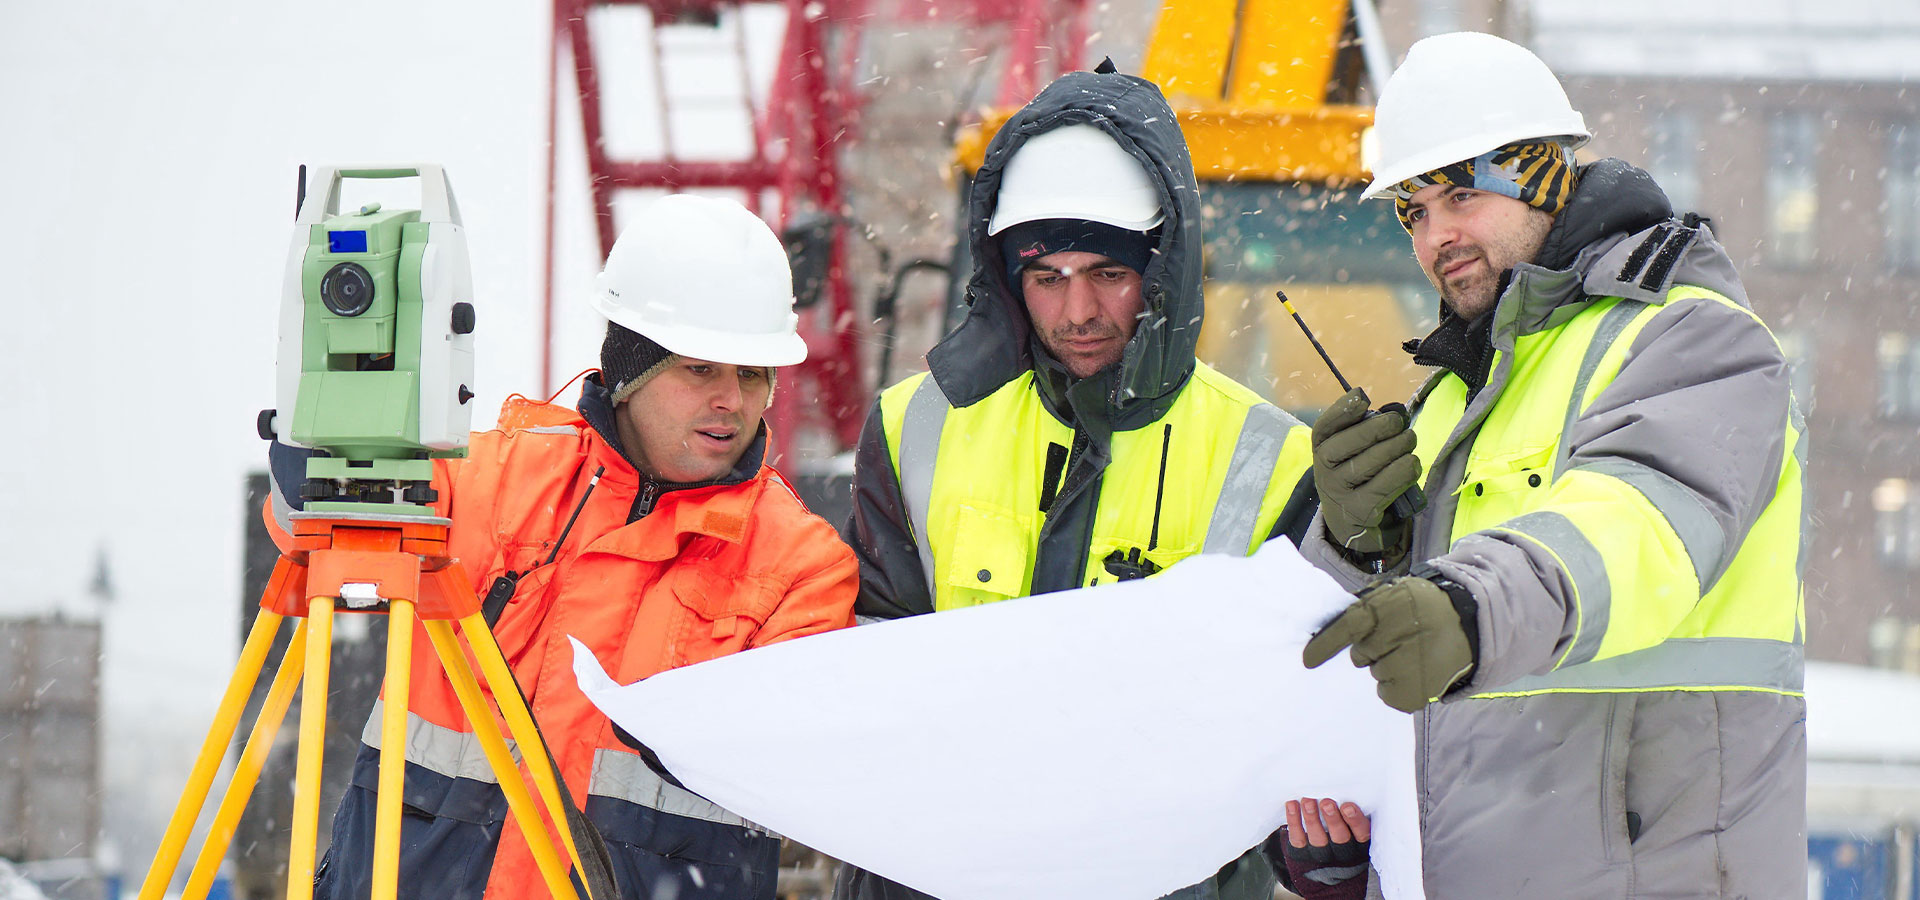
(346, 289)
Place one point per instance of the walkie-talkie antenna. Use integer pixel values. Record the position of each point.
(1288, 305)
(1413, 500)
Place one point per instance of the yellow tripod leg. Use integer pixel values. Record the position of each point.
(493, 668)
(519, 802)
(393, 751)
(226, 721)
(246, 772)
(313, 738)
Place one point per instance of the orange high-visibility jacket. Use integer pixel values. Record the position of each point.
(710, 571)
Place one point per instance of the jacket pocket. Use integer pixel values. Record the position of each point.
(1502, 485)
(987, 561)
(723, 613)
(1536, 770)
(1616, 832)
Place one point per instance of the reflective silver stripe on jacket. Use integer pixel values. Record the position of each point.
(552, 429)
(919, 450)
(1611, 324)
(455, 754)
(1679, 663)
(1699, 532)
(1237, 510)
(1584, 566)
(1705, 543)
(625, 776)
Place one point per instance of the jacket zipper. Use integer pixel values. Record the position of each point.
(649, 494)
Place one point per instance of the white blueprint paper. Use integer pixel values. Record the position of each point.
(1107, 743)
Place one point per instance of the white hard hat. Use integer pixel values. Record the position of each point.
(706, 279)
(1075, 172)
(1460, 95)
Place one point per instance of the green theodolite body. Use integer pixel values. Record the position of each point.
(376, 344)
(359, 375)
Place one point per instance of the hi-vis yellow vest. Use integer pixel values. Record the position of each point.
(1641, 553)
(973, 481)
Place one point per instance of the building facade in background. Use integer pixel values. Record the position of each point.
(1795, 126)
(50, 754)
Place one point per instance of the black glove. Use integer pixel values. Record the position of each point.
(1419, 638)
(1338, 869)
(1361, 464)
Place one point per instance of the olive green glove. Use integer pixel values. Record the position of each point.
(1420, 638)
(1361, 464)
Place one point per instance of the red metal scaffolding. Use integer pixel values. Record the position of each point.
(802, 123)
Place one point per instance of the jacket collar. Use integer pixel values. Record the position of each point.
(715, 511)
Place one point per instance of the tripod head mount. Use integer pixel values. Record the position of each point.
(376, 344)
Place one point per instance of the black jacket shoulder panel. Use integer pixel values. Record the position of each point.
(893, 583)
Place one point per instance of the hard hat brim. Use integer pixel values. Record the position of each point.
(730, 347)
(1076, 171)
(999, 223)
(733, 349)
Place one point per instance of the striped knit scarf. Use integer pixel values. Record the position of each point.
(1537, 173)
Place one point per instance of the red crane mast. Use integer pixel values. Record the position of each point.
(802, 123)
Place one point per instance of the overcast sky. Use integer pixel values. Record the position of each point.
(148, 169)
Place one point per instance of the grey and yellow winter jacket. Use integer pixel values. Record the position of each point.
(997, 475)
(1615, 473)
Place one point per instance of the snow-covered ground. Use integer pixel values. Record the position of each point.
(1863, 747)
(15, 886)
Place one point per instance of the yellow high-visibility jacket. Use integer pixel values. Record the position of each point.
(998, 475)
(980, 485)
(1622, 496)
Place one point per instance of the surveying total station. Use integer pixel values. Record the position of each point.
(375, 375)
(376, 345)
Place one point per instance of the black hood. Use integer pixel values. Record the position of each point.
(1610, 197)
(995, 343)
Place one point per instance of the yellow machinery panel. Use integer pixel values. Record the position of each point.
(1250, 338)
(1249, 81)
(1246, 54)
(1319, 145)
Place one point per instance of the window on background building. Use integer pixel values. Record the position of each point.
(1896, 524)
(1793, 200)
(1899, 376)
(1903, 196)
(1673, 155)
(1894, 643)
(1799, 353)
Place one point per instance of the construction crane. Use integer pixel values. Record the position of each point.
(1268, 94)
(801, 122)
